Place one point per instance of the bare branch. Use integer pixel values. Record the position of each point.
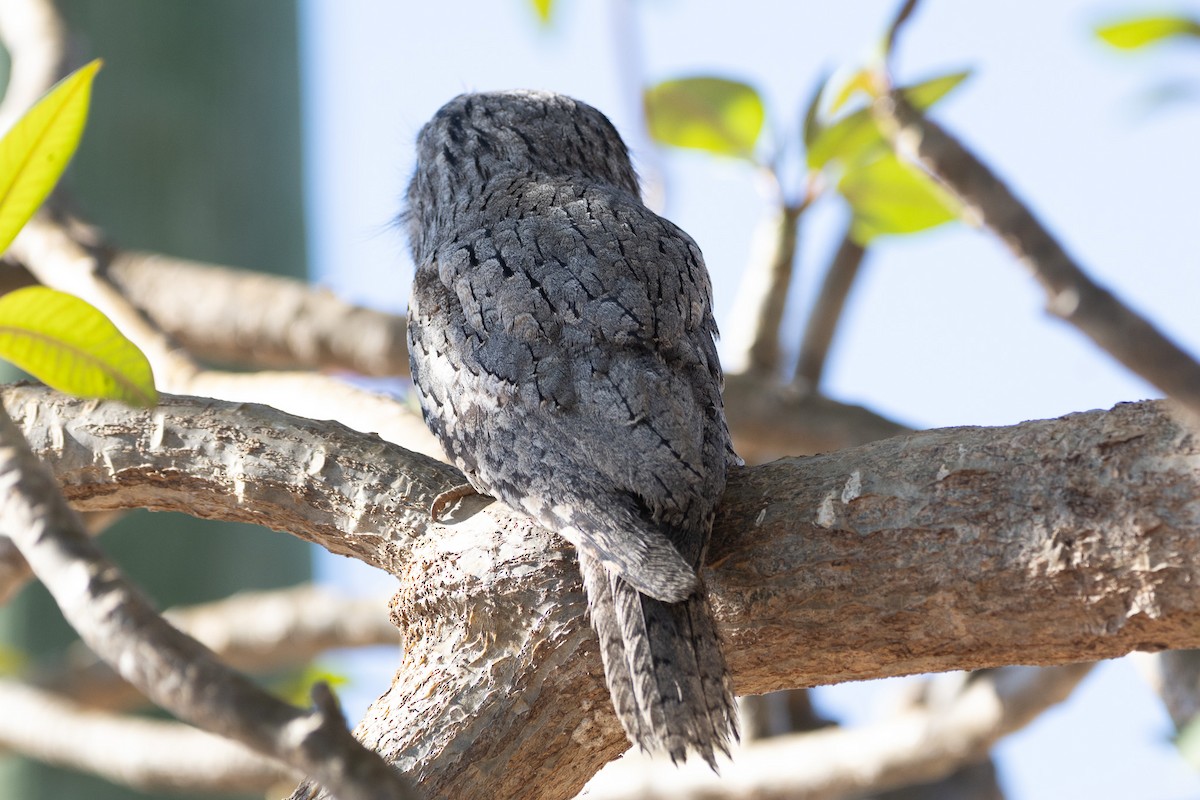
(827, 312)
(352, 493)
(14, 569)
(143, 753)
(753, 339)
(912, 747)
(61, 255)
(251, 631)
(277, 323)
(177, 672)
(902, 16)
(1050, 542)
(1071, 294)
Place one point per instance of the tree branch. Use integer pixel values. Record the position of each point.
(251, 631)
(277, 323)
(66, 255)
(177, 672)
(827, 312)
(1050, 542)
(1071, 294)
(753, 343)
(771, 420)
(146, 754)
(1175, 676)
(914, 746)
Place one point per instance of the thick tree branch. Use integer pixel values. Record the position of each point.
(1050, 542)
(914, 746)
(177, 672)
(146, 754)
(1071, 294)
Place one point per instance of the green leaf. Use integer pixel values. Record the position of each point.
(813, 126)
(296, 686)
(926, 93)
(716, 115)
(1138, 32)
(887, 196)
(68, 344)
(34, 153)
(860, 81)
(855, 137)
(543, 8)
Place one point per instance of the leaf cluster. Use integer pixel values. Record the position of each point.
(840, 142)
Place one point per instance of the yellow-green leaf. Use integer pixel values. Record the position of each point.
(861, 81)
(34, 153)
(855, 137)
(296, 685)
(1131, 34)
(812, 125)
(68, 344)
(887, 196)
(543, 9)
(716, 115)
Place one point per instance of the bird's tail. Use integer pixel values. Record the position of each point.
(664, 667)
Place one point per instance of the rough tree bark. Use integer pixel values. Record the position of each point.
(1050, 542)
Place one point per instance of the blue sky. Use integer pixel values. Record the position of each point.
(944, 328)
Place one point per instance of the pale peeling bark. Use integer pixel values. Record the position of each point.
(1050, 542)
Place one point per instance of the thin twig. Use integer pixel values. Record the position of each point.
(1071, 294)
(118, 623)
(827, 313)
(893, 31)
(753, 337)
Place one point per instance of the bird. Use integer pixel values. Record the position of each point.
(563, 350)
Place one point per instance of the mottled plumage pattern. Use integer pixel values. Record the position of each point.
(561, 338)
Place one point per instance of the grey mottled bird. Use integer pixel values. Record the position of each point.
(561, 339)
